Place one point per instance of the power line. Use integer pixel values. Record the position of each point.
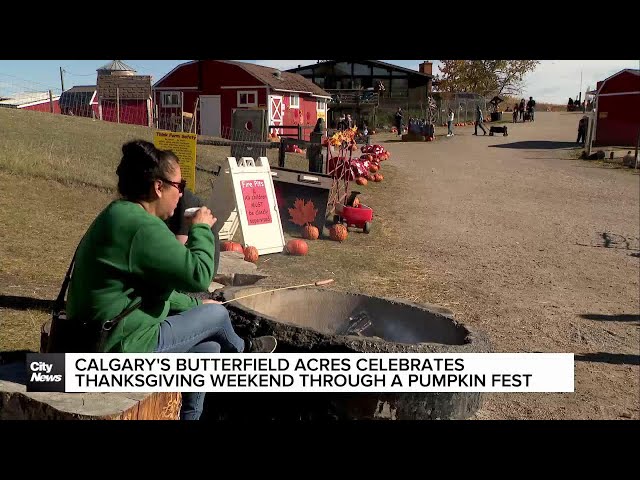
(23, 80)
(79, 74)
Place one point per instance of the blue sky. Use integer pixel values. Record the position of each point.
(553, 81)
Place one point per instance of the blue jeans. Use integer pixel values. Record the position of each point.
(203, 329)
(449, 126)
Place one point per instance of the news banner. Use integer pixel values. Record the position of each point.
(301, 372)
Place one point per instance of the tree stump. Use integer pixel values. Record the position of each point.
(18, 404)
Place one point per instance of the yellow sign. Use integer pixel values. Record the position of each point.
(184, 146)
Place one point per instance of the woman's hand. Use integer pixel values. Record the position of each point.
(204, 215)
(210, 301)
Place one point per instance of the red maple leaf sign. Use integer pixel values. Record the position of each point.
(302, 213)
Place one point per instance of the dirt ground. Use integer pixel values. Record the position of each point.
(537, 249)
(513, 234)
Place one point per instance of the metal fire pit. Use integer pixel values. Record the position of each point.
(317, 320)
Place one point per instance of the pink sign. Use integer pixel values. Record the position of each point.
(256, 202)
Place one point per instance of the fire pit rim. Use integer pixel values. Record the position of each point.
(474, 340)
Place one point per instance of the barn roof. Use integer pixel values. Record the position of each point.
(374, 62)
(26, 98)
(281, 80)
(80, 95)
(626, 70)
(276, 79)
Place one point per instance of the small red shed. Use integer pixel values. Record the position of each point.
(80, 101)
(219, 87)
(123, 96)
(36, 101)
(617, 121)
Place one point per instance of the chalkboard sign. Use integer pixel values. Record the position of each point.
(256, 204)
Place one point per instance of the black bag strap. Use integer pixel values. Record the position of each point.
(58, 304)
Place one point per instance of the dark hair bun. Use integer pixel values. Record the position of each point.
(142, 163)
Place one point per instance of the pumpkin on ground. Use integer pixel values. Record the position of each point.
(373, 168)
(251, 254)
(378, 177)
(297, 247)
(231, 247)
(310, 232)
(338, 232)
(361, 181)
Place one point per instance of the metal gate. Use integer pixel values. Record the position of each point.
(247, 127)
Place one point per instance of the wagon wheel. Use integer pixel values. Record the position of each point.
(367, 227)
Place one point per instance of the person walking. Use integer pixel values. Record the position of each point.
(479, 121)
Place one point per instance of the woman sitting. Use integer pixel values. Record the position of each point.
(129, 257)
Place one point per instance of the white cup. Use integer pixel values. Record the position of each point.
(190, 212)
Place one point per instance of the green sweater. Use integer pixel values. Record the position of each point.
(127, 256)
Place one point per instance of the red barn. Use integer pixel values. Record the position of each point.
(617, 121)
(220, 87)
(36, 101)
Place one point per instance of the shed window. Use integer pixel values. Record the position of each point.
(248, 98)
(170, 99)
(294, 100)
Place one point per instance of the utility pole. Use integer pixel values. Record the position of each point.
(580, 93)
(61, 79)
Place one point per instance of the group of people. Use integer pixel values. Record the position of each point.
(142, 255)
(419, 126)
(524, 111)
(479, 121)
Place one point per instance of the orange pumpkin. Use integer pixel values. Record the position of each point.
(373, 168)
(371, 178)
(251, 254)
(231, 247)
(297, 247)
(378, 177)
(338, 232)
(310, 232)
(361, 181)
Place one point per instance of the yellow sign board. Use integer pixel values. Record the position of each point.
(184, 146)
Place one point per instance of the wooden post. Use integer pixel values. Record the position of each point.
(149, 113)
(50, 101)
(281, 153)
(181, 111)
(637, 147)
(194, 121)
(118, 103)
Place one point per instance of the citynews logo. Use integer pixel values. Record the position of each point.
(45, 372)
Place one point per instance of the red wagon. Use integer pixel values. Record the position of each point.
(359, 216)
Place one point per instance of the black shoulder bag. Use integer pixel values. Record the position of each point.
(61, 335)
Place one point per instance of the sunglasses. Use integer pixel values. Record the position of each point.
(181, 185)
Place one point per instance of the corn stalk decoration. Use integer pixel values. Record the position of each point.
(340, 148)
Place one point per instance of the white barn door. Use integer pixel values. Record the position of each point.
(210, 116)
(276, 111)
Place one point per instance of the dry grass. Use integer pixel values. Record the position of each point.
(57, 174)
